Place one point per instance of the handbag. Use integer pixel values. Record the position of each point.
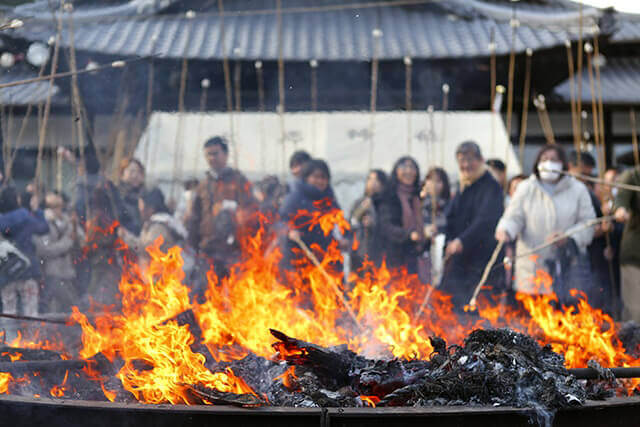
(13, 263)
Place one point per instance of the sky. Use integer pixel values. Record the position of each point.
(632, 6)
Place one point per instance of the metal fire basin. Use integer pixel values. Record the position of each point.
(22, 411)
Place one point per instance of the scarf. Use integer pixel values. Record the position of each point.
(411, 209)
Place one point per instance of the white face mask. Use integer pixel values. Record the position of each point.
(549, 170)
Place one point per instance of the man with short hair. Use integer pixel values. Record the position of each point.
(584, 165)
(296, 163)
(472, 217)
(221, 209)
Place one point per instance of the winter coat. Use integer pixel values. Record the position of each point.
(55, 248)
(20, 226)
(630, 200)
(304, 197)
(533, 214)
(160, 224)
(130, 211)
(221, 201)
(366, 236)
(472, 216)
(116, 208)
(394, 243)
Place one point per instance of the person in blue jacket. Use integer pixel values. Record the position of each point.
(309, 195)
(18, 224)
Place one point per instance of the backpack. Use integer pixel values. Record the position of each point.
(13, 263)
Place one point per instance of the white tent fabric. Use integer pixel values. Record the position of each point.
(171, 146)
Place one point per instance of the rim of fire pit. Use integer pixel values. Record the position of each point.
(343, 412)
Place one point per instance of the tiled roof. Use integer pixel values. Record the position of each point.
(31, 93)
(415, 29)
(620, 81)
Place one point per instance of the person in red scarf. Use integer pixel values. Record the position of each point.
(400, 224)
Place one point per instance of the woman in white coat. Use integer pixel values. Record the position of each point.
(546, 205)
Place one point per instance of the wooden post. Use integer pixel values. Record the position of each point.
(377, 35)
(407, 98)
(227, 82)
(525, 104)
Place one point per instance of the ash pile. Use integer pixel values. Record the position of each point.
(496, 367)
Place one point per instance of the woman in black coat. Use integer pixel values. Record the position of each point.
(400, 224)
(311, 194)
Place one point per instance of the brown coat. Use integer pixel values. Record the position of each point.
(221, 204)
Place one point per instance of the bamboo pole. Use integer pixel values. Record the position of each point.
(179, 138)
(510, 89)
(377, 35)
(579, 91)
(149, 107)
(597, 63)
(237, 79)
(227, 82)
(407, 98)
(42, 132)
(485, 274)
(313, 64)
(430, 149)
(545, 123)
(492, 68)
(634, 137)
(259, 77)
(525, 104)
(281, 92)
(205, 84)
(445, 108)
(594, 106)
(314, 260)
(572, 91)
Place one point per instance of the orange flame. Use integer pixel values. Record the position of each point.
(370, 400)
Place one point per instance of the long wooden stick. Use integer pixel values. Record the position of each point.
(408, 68)
(179, 138)
(594, 105)
(600, 181)
(492, 78)
(42, 132)
(579, 91)
(525, 105)
(259, 77)
(227, 83)
(313, 65)
(485, 274)
(329, 278)
(596, 66)
(510, 88)
(377, 34)
(572, 91)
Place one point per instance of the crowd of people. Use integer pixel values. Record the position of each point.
(544, 224)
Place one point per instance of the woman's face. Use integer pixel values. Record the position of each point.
(133, 175)
(550, 155)
(434, 185)
(407, 173)
(318, 179)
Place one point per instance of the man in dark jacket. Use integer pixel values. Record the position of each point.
(222, 208)
(472, 217)
(19, 225)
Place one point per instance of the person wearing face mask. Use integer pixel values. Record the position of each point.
(471, 218)
(400, 222)
(544, 206)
